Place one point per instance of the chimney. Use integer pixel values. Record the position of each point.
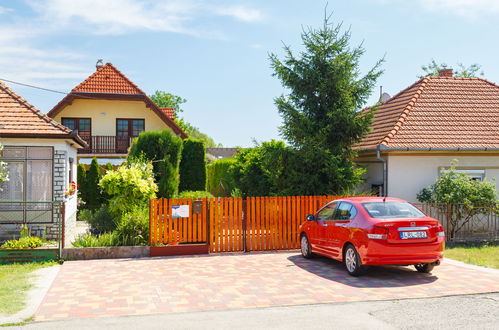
(445, 73)
(99, 64)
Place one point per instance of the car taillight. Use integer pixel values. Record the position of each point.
(378, 233)
(440, 231)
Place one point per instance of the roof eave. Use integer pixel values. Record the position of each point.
(76, 138)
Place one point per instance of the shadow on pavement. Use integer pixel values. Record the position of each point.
(375, 277)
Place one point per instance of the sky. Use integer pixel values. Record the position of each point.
(215, 53)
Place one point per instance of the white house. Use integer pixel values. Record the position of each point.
(41, 159)
(418, 132)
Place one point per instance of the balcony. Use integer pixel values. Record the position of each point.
(106, 145)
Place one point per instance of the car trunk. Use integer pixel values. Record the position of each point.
(410, 230)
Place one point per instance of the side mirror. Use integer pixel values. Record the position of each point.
(310, 217)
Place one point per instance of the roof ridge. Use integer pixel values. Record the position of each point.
(407, 109)
(123, 75)
(33, 109)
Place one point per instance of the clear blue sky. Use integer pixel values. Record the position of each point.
(215, 53)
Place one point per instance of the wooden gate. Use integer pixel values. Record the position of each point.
(165, 228)
(233, 224)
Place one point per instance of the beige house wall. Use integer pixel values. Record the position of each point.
(104, 113)
(409, 174)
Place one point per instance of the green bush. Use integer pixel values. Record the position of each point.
(195, 194)
(133, 227)
(93, 191)
(81, 177)
(101, 220)
(130, 186)
(220, 181)
(27, 242)
(163, 149)
(193, 166)
(88, 240)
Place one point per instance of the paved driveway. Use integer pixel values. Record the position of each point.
(99, 288)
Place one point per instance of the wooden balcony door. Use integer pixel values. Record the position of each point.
(126, 129)
(83, 126)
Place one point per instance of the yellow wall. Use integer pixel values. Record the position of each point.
(105, 112)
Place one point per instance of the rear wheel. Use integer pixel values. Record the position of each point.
(352, 261)
(424, 268)
(306, 250)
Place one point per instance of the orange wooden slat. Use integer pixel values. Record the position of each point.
(257, 223)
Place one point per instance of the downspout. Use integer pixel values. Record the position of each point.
(385, 170)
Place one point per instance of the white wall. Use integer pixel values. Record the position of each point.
(409, 174)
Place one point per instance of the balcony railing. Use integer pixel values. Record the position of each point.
(98, 144)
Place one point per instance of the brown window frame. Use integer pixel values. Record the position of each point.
(77, 123)
(130, 125)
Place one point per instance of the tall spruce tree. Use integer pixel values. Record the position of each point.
(321, 114)
(94, 194)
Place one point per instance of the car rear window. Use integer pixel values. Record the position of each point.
(392, 210)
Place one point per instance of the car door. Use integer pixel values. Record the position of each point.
(339, 230)
(323, 218)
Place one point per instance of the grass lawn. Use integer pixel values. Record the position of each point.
(480, 255)
(15, 281)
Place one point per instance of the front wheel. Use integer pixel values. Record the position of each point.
(352, 262)
(424, 268)
(306, 250)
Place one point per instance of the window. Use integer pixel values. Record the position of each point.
(30, 179)
(82, 125)
(129, 127)
(477, 175)
(345, 211)
(392, 210)
(327, 212)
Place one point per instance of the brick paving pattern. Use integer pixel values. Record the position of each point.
(99, 288)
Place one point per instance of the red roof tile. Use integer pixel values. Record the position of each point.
(438, 112)
(108, 79)
(18, 118)
(169, 112)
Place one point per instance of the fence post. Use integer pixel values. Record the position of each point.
(63, 220)
(208, 226)
(245, 226)
(448, 217)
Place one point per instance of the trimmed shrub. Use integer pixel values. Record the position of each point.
(220, 181)
(94, 194)
(163, 149)
(192, 166)
(28, 242)
(81, 177)
(195, 194)
(100, 220)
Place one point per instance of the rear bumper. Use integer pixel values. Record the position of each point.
(383, 253)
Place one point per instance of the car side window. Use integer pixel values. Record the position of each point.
(345, 211)
(327, 212)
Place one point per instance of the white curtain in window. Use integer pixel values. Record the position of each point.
(12, 190)
(39, 181)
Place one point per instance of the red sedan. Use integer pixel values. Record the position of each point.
(364, 231)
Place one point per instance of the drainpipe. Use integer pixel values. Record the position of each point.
(385, 170)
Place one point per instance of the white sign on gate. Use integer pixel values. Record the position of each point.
(180, 211)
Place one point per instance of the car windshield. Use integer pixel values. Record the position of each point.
(392, 210)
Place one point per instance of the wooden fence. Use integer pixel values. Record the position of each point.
(234, 224)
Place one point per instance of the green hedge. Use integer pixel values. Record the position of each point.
(164, 149)
(193, 166)
(220, 181)
(195, 194)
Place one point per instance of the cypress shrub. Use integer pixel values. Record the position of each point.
(220, 181)
(81, 177)
(94, 196)
(163, 149)
(192, 166)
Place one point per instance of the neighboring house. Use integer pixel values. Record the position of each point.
(41, 160)
(418, 132)
(220, 153)
(108, 111)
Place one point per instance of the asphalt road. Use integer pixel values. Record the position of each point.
(455, 312)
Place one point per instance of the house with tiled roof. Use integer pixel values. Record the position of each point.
(108, 111)
(418, 132)
(41, 161)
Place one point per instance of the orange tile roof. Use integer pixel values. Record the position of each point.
(108, 79)
(169, 112)
(18, 118)
(438, 113)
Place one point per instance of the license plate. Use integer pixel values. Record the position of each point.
(413, 234)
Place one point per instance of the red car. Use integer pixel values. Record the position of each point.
(364, 231)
